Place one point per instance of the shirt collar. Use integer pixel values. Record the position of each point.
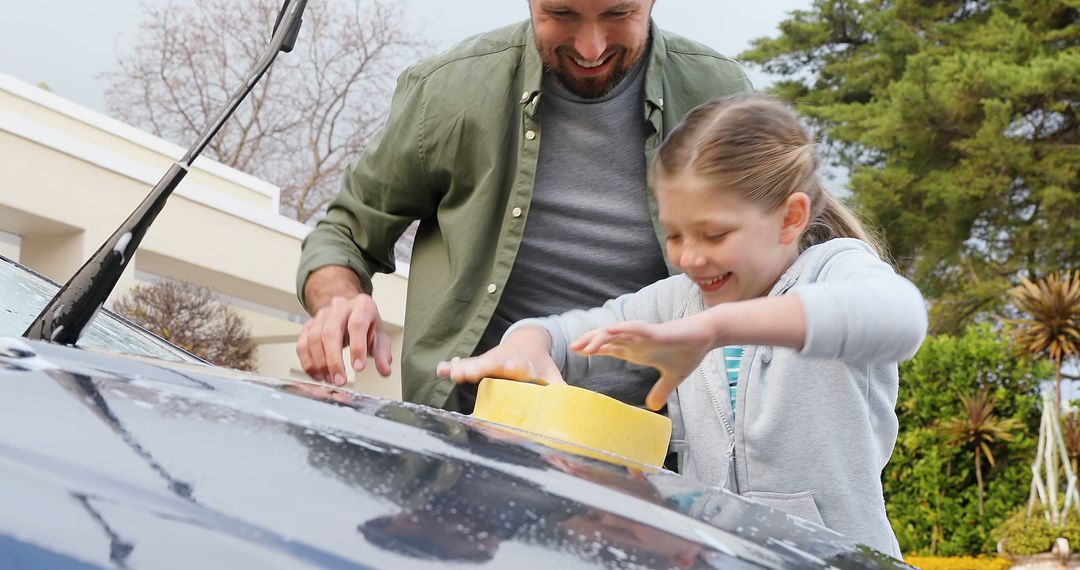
(533, 72)
(654, 74)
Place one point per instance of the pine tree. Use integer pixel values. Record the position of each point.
(960, 123)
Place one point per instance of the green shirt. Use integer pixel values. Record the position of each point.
(459, 152)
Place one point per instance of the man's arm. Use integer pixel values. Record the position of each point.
(382, 193)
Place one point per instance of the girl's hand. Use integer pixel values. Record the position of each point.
(675, 349)
(523, 356)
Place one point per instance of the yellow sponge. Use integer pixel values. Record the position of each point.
(587, 420)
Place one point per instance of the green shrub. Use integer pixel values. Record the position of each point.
(1023, 535)
(930, 487)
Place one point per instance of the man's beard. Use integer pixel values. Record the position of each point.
(592, 87)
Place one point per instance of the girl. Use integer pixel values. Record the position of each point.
(778, 346)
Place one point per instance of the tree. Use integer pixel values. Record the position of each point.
(932, 485)
(1052, 324)
(312, 113)
(978, 428)
(960, 123)
(192, 318)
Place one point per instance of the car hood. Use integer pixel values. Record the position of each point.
(115, 461)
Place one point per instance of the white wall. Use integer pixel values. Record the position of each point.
(70, 176)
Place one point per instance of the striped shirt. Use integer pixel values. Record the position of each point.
(732, 361)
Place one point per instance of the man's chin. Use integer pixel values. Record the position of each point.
(590, 87)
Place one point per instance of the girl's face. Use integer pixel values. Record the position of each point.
(732, 248)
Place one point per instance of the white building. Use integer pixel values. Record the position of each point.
(70, 175)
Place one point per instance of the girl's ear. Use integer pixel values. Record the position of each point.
(796, 210)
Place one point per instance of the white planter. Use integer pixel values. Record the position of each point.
(1060, 557)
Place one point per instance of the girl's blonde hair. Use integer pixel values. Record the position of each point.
(756, 146)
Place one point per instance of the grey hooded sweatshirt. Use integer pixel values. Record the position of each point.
(815, 427)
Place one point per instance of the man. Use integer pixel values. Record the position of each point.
(550, 121)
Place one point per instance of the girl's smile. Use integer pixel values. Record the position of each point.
(710, 285)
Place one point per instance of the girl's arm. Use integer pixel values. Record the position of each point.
(858, 309)
(536, 349)
(676, 348)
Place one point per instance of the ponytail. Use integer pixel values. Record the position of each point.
(835, 220)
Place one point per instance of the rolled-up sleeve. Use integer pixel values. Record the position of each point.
(382, 192)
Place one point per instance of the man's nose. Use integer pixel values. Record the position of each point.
(590, 42)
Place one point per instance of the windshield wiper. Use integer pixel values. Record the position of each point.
(78, 301)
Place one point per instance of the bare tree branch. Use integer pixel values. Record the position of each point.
(328, 97)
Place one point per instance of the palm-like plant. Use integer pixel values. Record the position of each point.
(1052, 326)
(978, 428)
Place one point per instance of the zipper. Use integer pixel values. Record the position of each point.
(732, 474)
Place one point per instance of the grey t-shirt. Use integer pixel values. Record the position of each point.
(588, 232)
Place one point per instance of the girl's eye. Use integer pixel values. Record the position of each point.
(716, 237)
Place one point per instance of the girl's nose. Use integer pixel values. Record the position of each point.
(691, 257)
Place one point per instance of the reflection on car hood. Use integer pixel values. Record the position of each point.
(109, 461)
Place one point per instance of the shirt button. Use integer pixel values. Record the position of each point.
(524, 96)
(530, 135)
(661, 102)
(516, 212)
(492, 288)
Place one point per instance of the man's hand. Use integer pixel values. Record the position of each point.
(523, 356)
(674, 349)
(343, 314)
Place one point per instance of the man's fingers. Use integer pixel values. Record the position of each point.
(333, 338)
(380, 351)
(315, 349)
(361, 322)
(303, 352)
(354, 321)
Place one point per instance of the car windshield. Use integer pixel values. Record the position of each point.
(24, 293)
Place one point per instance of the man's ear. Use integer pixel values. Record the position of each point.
(796, 210)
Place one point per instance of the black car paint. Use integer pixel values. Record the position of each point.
(130, 462)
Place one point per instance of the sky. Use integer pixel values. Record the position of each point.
(68, 44)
